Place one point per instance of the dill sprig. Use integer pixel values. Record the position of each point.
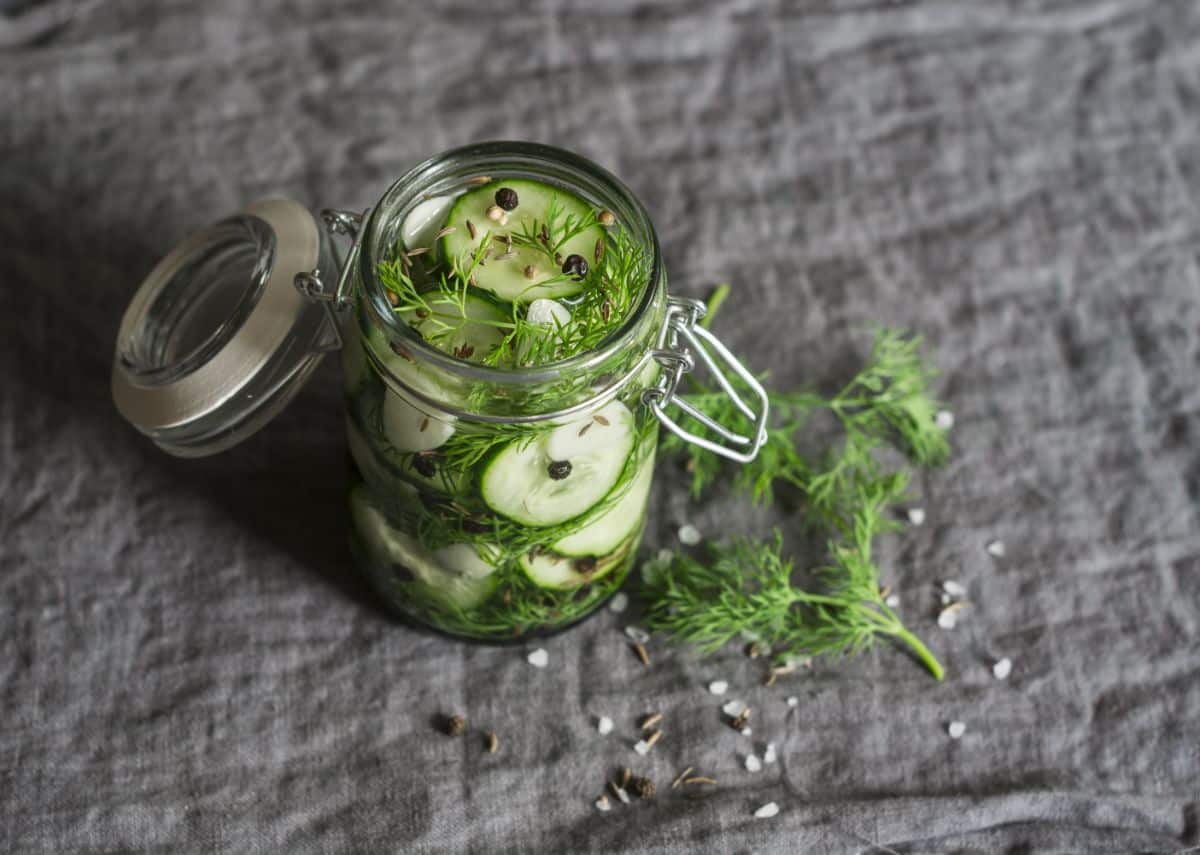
(746, 586)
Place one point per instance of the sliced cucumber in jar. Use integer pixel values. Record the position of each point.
(469, 329)
(614, 523)
(461, 576)
(354, 361)
(373, 470)
(561, 473)
(520, 207)
(410, 429)
(564, 572)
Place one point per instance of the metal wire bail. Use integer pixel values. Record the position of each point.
(679, 339)
(310, 284)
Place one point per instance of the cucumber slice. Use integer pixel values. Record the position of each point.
(538, 204)
(371, 468)
(616, 522)
(563, 572)
(561, 473)
(410, 429)
(469, 331)
(460, 576)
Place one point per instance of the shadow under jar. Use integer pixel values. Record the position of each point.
(509, 353)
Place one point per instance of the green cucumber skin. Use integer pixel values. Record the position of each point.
(602, 531)
(506, 279)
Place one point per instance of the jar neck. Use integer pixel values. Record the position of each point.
(509, 394)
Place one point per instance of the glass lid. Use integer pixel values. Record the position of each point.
(217, 338)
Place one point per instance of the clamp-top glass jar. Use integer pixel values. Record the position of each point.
(509, 352)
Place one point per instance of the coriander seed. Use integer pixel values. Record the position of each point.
(643, 788)
(606, 218)
(456, 725)
(494, 213)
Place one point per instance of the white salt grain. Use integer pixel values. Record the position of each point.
(916, 516)
(605, 725)
(718, 687)
(769, 755)
(767, 811)
(753, 764)
(995, 549)
(622, 795)
(947, 599)
(793, 701)
(954, 589)
(602, 804)
(619, 602)
(948, 619)
(746, 731)
(636, 634)
(539, 658)
(689, 535)
(733, 708)
(1002, 669)
(893, 601)
(956, 729)
(642, 747)
(944, 419)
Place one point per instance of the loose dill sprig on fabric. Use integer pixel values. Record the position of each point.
(886, 403)
(746, 587)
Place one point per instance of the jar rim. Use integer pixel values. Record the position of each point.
(492, 155)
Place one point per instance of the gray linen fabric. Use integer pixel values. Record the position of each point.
(187, 662)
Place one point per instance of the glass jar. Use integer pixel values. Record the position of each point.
(491, 503)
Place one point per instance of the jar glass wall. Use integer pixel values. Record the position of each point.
(488, 501)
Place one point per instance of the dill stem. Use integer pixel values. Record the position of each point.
(921, 652)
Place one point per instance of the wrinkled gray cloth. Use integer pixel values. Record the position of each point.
(187, 662)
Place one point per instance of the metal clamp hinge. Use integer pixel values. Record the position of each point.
(680, 341)
(310, 284)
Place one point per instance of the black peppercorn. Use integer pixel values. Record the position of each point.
(575, 265)
(506, 198)
(559, 469)
(424, 465)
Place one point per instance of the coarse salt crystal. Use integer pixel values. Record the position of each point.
(995, 549)
(956, 729)
(916, 516)
(1002, 669)
(953, 588)
(636, 634)
(892, 601)
(689, 535)
(733, 708)
(769, 755)
(718, 687)
(944, 419)
(539, 658)
(767, 811)
(605, 725)
(619, 602)
(602, 804)
(948, 619)
(746, 731)
(946, 599)
(642, 747)
(753, 764)
(622, 795)
(793, 701)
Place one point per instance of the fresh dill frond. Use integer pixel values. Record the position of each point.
(745, 587)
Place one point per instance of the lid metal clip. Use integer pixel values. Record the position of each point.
(680, 341)
(310, 284)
